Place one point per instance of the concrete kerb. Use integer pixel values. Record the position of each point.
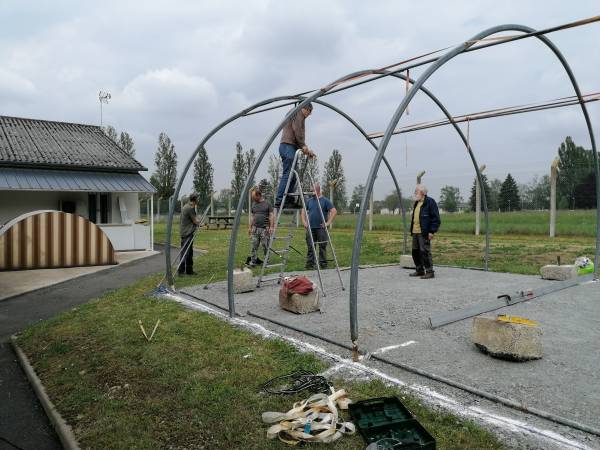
(58, 283)
(64, 431)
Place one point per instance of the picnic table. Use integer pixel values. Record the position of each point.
(219, 221)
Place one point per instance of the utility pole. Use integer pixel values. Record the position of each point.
(478, 201)
(103, 97)
(553, 178)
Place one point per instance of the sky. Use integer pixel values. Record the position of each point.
(182, 67)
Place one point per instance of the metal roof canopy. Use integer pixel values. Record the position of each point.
(21, 179)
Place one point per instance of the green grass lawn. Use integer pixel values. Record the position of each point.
(568, 223)
(510, 252)
(193, 386)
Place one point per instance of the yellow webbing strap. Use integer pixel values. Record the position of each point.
(319, 411)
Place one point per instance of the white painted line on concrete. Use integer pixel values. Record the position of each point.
(427, 394)
(392, 347)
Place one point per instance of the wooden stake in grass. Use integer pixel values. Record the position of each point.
(144, 331)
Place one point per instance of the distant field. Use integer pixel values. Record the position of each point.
(568, 223)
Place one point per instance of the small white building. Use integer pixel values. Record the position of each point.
(75, 169)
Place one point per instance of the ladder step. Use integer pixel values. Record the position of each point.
(268, 266)
(282, 237)
(266, 279)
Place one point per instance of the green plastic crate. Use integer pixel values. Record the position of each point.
(387, 418)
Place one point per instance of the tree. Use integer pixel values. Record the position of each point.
(357, 195)
(126, 143)
(263, 185)
(391, 201)
(509, 199)
(249, 160)
(203, 178)
(450, 198)
(274, 171)
(494, 194)
(485, 186)
(165, 176)
(334, 172)
(575, 163)
(585, 191)
(111, 133)
(536, 194)
(239, 173)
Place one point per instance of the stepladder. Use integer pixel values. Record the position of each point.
(297, 199)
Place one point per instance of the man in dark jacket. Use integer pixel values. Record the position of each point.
(292, 138)
(424, 224)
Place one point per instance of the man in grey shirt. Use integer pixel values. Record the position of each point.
(187, 225)
(261, 224)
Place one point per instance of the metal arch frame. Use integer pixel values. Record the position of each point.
(168, 269)
(394, 121)
(169, 274)
(315, 98)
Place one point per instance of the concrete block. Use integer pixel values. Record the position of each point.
(243, 280)
(407, 262)
(507, 340)
(300, 304)
(561, 273)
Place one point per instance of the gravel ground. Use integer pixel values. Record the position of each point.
(393, 309)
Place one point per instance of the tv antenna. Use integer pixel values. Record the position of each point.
(103, 97)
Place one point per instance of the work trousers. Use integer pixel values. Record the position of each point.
(187, 259)
(287, 153)
(421, 253)
(318, 235)
(259, 237)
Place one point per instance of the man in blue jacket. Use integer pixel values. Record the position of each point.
(424, 224)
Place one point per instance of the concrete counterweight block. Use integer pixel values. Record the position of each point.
(243, 280)
(507, 340)
(560, 273)
(407, 262)
(300, 304)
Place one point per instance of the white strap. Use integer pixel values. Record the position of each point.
(320, 410)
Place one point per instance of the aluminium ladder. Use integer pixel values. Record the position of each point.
(283, 253)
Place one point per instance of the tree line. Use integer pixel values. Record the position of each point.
(576, 186)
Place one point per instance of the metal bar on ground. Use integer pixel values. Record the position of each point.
(437, 320)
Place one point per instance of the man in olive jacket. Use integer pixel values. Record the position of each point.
(424, 224)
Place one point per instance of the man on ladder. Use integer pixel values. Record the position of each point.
(317, 222)
(292, 138)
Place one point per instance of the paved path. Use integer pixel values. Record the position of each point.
(22, 419)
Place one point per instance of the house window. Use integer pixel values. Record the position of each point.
(104, 208)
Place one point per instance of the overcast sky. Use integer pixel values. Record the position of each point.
(184, 66)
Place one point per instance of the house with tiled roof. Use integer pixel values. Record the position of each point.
(75, 169)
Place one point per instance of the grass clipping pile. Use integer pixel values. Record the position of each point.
(315, 419)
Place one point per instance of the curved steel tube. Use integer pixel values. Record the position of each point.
(168, 270)
(394, 121)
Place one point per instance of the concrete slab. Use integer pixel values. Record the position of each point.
(393, 309)
(13, 283)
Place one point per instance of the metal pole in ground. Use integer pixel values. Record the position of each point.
(478, 202)
(553, 177)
